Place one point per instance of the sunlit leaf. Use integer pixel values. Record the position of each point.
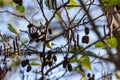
(100, 44)
(83, 78)
(15, 55)
(108, 3)
(112, 42)
(50, 44)
(74, 60)
(20, 8)
(85, 62)
(13, 29)
(34, 64)
(117, 74)
(11, 3)
(72, 2)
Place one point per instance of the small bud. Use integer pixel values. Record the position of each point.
(29, 25)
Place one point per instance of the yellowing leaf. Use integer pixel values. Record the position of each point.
(85, 61)
(34, 64)
(13, 29)
(49, 44)
(20, 8)
(83, 78)
(112, 42)
(100, 44)
(72, 2)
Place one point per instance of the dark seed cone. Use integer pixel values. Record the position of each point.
(45, 63)
(50, 31)
(64, 64)
(23, 63)
(29, 53)
(69, 67)
(87, 30)
(55, 58)
(85, 39)
(28, 68)
(66, 59)
(29, 25)
(88, 75)
(49, 56)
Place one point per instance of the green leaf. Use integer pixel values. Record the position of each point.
(13, 29)
(50, 44)
(49, 4)
(11, 3)
(34, 64)
(112, 42)
(20, 8)
(72, 2)
(74, 60)
(108, 3)
(85, 62)
(100, 44)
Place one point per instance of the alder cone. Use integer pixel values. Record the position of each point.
(50, 31)
(23, 63)
(34, 35)
(27, 61)
(50, 63)
(29, 25)
(28, 68)
(88, 75)
(64, 64)
(29, 53)
(69, 67)
(54, 58)
(85, 39)
(87, 30)
(66, 59)
(49, 56)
